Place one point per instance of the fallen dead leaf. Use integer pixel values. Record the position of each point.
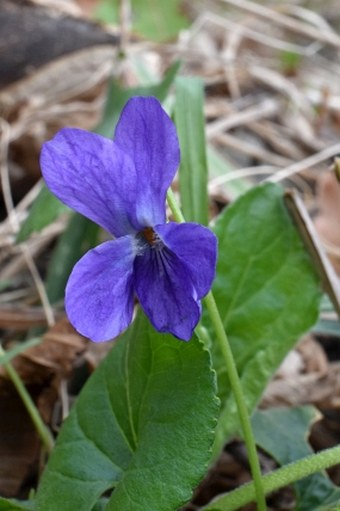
(54, 357)
(327, 222)
(42, 368)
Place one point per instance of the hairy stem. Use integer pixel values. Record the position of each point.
(277, 479)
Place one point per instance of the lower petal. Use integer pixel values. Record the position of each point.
(166, 293)
(99, 293)
(196, 247)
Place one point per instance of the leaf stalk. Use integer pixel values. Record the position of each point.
(235, 383)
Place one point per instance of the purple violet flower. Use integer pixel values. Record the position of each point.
(121, 185)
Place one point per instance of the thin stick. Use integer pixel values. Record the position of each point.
(323, 155)
(286, 21)
(267, 108)
(252, 150)
(252, 34)
(6, 190)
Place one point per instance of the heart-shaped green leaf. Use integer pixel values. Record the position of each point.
(15, 505)
(143, 425)
(266, 290)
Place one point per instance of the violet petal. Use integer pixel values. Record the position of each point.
(147, 134)
(92, 175)
(196, 247)
(99, 293)
(166, 292)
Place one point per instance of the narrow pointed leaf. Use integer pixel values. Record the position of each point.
(193, 174)
(80, 235)
(118, 96)
(18, 349)
(45, 209)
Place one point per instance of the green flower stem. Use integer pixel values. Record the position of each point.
(235, 383)
(277, 479)
(175, 209)
(43, 432)
(19, 348)
(236, 386)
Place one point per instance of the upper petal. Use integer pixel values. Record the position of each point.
(166, 293)
(196, 247)
(148, 135)
(92, 175)
(99, 293)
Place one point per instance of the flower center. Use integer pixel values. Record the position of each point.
(148, 238)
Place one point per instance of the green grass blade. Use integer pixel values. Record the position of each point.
(193, 175)
(80, 235)
(117, 97)
(45, 209)
(18, 349)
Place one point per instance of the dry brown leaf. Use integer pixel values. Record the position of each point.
(42, 368)
(327, 221)
(313, 355)
(319, 389)
(54, 357)
(21, 317)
